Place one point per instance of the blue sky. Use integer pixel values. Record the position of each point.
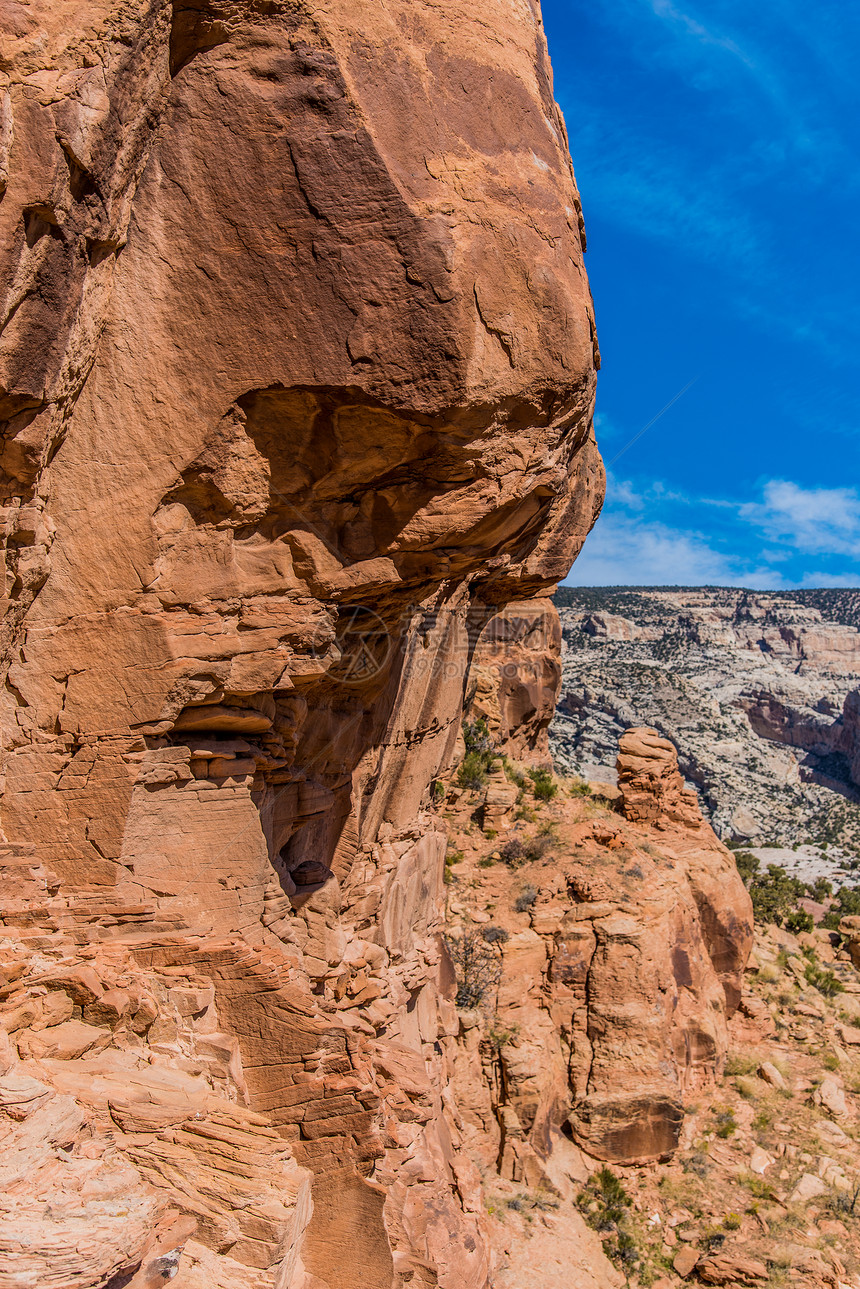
(717, 150)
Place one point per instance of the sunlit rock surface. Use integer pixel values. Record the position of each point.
(296, 381)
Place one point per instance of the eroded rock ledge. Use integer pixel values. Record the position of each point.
(618, 938)
(296, 384)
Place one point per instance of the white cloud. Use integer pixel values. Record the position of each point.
(831, 579)
(623, 494)
(644, 538)
(815, 521)
(627, 551)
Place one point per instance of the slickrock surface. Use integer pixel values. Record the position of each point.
(296, 384)
(759, 691)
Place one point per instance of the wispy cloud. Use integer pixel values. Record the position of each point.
(662, 193)
(649, 536)
(718, 125)
(762, 54)
(626, 550)
(811, 520)
(692, 27)
(716, 145)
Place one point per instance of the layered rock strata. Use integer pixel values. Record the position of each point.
(757, 690)
(515, 677)
(621, 942)
(297, 375)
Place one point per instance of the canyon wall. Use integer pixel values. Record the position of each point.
(296, 380)
(756, 689)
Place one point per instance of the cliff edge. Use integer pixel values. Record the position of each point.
(296, 384)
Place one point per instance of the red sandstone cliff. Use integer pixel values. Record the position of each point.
(296, 379)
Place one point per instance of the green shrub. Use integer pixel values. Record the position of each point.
(847, 905)
(757, 1186)
(579, 788)
(480, 755)
(476, 736)
(473, 771)
(605, 1205)
(726, 1123)
(544, 786)
(452, 857)
(799, 920)
(774, 895)
(826, 982)
(747, 865)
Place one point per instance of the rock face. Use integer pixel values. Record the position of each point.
(651, 786)
(297, 378)
(129, 1146)
(653, 792)
(515, 676)
(849, 742)
(621, 945)
(759, 692)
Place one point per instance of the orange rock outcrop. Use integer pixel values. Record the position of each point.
(296, 382)
(653, 792)
(620, 946)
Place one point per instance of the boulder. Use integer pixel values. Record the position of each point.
(729, 1269)
(808, 1188)
(760, 1161)
(832, 1097)
(685, 1261)
(771, 1075)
